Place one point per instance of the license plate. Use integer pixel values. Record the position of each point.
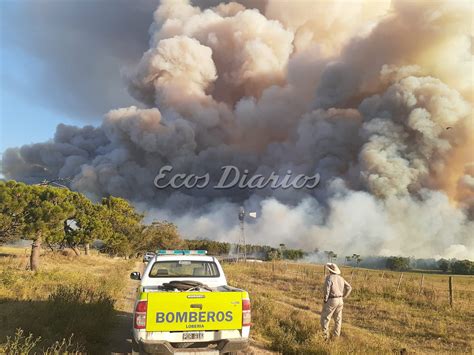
(193, 335)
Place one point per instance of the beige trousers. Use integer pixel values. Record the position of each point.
(333, 307)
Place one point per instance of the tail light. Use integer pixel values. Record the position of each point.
(140, 315)
(246, 316)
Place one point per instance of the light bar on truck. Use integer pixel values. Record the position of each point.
(181, 252)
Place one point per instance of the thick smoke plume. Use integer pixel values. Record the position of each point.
(376, 99)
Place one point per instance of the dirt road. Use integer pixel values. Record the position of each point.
(120, 339)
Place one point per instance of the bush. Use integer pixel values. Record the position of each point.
(296, 334)
(77, 310)
(22, 344)
(289, 332)
(80, 311)
(293, 254)
(398, 263)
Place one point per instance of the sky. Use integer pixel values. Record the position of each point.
(61, 62)
(361, 95)
(23, 121)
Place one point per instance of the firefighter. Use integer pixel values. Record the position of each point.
(335, 290)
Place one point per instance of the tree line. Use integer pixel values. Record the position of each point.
(55, 218)
(462, 267)
(264, 252)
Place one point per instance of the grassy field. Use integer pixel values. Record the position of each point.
(72, 304)
(67, 306)
(287, 299)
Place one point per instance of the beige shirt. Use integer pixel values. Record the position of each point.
(335, 286)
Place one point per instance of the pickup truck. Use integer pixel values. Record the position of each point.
(184, 305)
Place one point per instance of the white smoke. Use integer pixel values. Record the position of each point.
(376, 99)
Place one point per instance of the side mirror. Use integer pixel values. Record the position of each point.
(135, 275)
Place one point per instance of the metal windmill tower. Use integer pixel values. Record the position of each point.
(241, 246)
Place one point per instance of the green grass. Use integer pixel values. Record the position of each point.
(67, 305)
(287, 299)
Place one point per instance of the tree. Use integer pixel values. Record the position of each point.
(48, 207)
(398, 263)
(14, 198)
(212, 247)
(331, 255)
(463, 267)
(122, 226)
(357, 259)
(159, 235)
(443, 265)
(348, 259)
(274, 254)
(293, 254)
(86, 225)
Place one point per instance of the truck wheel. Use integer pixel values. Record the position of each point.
(135, 348)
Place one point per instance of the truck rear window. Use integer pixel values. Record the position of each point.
(184, 268)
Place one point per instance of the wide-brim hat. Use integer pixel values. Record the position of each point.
(333, 268)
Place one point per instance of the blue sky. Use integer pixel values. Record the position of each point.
(61, 62)
(23, 120)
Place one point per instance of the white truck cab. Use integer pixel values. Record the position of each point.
(205, 269)
(184, 305)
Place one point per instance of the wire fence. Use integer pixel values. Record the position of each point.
(435, 289)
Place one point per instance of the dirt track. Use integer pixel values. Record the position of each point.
(120, 340)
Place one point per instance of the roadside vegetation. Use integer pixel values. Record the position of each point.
(377, 318)
(67, 306)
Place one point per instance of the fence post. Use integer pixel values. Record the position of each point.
(451, 291)
(352, 274)
(421, 283)
(399, 281)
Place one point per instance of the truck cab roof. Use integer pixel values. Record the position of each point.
(209, 272)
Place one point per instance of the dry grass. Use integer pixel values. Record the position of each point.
(287, 299)
(69, 292)
(69, 295)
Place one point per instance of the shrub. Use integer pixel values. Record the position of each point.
(295, 333)
(80, 311)
(19, 343)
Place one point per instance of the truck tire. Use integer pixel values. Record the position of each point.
(136, 348)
